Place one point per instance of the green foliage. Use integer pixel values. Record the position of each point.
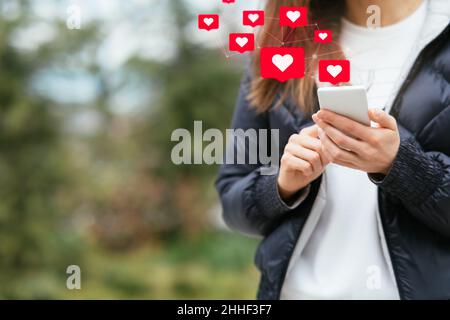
(111, 201)
(214, 266)
(32, 173)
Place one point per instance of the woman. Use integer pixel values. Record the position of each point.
(354, 212)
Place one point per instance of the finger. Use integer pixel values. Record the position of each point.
(310, 143)
(326, 154)
(311, 131)
(323, 159)
(334, 152)
(305, 154)
(294, 163)
(324, 150)
(383, 119)
(346, 125)
(339, 138)
(347, 164)
(306, 141)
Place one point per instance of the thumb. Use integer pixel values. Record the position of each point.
(383, 119)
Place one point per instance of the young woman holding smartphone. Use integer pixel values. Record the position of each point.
(354, 212)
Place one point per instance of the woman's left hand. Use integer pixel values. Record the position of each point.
(354, 145)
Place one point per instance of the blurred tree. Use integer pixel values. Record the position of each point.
(118, 182)
(34, 166)
(198, 84)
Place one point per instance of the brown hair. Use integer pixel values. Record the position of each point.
(264, 91)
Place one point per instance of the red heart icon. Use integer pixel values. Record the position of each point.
(334, 71)
(293, 16)
(253, 18)
(241, 42)
(208, 21)
(323, 36)
(282, 63)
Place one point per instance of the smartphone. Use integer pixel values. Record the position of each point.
(349, 101)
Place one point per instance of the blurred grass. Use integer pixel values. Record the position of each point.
(216, 265)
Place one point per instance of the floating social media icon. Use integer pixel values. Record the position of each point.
(241, 42)
(293, 16)
(322, 36)
(282, 63)
(334, 71)
(253, 18)
(208, 21)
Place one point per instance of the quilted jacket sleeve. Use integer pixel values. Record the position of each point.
(421, 180)
(250, 200)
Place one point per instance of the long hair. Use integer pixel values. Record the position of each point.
(327, 14)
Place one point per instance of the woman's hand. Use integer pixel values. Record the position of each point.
(351, 144)
(301, 163)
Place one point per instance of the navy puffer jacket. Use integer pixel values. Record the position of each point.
(414, 198)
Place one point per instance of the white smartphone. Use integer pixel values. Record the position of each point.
(349, 101)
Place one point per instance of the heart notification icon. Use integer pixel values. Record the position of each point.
(241, 42)
(208, 21)
(293, 16)
(282, 63)
(253, 18)
(334, 71)
(323, 36)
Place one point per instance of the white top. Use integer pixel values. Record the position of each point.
(343, 257)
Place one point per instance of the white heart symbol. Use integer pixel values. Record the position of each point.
(241, 41)
(293, 15)
(208, 21)
(334, 70)
(323, 35)
(282, 62)
(253, 17)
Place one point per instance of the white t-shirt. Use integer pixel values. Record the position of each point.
(343, 258)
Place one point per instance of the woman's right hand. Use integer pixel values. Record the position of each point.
(301, 163)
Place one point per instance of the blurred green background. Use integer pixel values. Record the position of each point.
(85, 173)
